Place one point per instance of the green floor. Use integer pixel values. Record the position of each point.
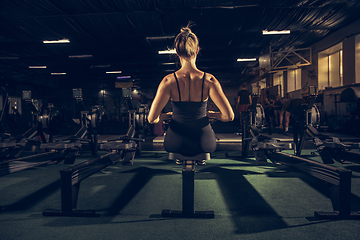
(249, 201)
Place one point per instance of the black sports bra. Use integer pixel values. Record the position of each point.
(193, 113)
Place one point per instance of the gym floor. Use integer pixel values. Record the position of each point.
(249, 201)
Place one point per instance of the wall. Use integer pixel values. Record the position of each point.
(347, 35)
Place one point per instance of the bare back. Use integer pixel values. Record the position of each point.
(190, 86)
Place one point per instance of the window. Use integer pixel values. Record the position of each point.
(335, 69)
(256, 87)
(330, 66)
(262, 83)
(357, 58)
(278, 79)
(293, 80)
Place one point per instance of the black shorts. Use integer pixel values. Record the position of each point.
(190, 142)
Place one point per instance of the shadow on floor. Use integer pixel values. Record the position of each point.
(251, 213)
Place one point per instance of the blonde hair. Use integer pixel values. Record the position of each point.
(186, 43)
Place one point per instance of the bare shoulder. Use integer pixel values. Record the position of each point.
(211, 80)
(168, 80)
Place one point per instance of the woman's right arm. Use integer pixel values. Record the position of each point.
(161, 99)
(218, 97)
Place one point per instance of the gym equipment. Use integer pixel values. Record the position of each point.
(50, 121)
(338, 180)
(331, 148)
(258, 119)
(90, 121)
(53, 152)
(254, 116)
(141, 117)
(94, 118)
(11, 147)
(259, 143)
(306, 119)
(123, 148)
(188, 176)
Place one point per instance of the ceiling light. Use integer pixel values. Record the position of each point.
(114, 72)
(80, 56)
(266, 32)
(58, 73)
(65, 40)
(37, 66)
(170, 63)
(100, 66)
(246, 59)
(123, 77)
(169, 51)
(159, 38)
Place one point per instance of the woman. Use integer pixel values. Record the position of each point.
(189, 132)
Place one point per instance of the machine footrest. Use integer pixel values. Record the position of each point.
(180, 214)
(336, 215)
(75, 213)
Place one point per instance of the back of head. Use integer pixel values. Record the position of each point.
(186, 43)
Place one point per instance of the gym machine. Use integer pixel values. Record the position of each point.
(50, 122)
(254, 117)
(123, 149)
(89, 121)
(141, 117)
(338, 179)
(188, 176)
(50, 151)
(331, 148)
(306, 121)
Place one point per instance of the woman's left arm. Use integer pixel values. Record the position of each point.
(161, 99)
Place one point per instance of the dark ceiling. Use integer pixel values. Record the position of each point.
(118, 34)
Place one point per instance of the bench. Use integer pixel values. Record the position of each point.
(188, 177)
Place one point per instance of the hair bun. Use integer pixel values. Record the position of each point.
(186, 43)
(185, 30)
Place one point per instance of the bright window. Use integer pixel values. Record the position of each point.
(330, 67)
(357, 58)
(278, 79)
(256, 87)
(293, 80)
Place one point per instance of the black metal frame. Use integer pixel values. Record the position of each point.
(339, 181)
(72, 177)
(188, 177)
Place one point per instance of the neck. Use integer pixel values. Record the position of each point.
(188, 64)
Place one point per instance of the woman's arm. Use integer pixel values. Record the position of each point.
(218, 97)
(161, 99)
